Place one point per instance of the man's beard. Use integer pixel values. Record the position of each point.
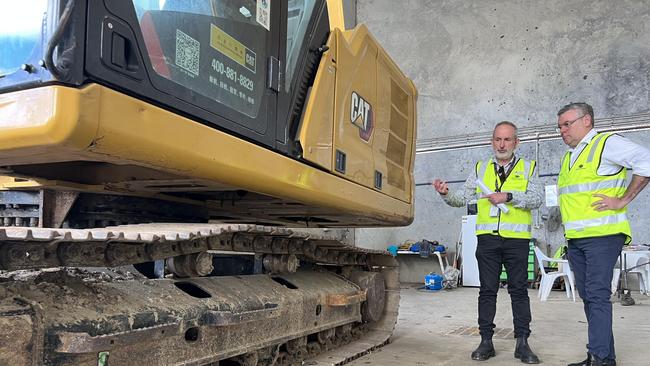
(504, 155)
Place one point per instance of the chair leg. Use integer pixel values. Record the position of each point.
(567, 286)
(546, 290)
(615, 278)
(643, 283)
(572, 285)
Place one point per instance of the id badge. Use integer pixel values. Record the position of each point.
(494, 211)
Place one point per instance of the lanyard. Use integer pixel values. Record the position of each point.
(506, 171)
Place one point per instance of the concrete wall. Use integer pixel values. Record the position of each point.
(350, 13)
(413, 268)
(479, 62)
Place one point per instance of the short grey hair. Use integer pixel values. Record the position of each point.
(507, 123)
(581, 106)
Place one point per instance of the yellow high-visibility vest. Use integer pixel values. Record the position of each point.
(577, 186)
(517, 223)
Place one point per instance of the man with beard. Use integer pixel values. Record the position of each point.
(503, 237)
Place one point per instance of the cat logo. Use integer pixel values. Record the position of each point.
(361, 116)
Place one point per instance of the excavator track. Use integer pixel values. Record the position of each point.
(29, 248)
(71, 297)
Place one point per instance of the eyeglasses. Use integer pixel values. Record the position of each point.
(565, 125)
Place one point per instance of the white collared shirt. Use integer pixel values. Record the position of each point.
(618, 152)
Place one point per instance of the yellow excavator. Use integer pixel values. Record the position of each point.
(165, 164)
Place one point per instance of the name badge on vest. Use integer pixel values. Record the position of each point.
(494, 211)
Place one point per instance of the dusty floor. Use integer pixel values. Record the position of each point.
(434, 328)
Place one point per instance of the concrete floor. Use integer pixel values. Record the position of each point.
(434, 329)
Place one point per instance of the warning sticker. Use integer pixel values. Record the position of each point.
(263, 13)
(229, 46)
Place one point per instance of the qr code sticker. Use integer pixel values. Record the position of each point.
(263, 13)
(188, 50)
(262, 18)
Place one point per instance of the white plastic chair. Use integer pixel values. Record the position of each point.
(546, 283)
(640, 261)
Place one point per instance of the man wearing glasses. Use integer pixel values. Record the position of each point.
(593, 200)
(503, 229)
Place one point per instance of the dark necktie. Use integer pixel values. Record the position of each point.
(502, 174)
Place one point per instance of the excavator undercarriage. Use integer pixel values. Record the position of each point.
(254, 306)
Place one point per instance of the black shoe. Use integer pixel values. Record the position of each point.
(523, 351)
(594, 361)
(484, 351)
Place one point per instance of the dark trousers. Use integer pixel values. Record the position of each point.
(492, 252)
(592, 261)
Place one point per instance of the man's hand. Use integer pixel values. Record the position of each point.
(608, 203)
(441, 186)
(613, 203)
(497, 197)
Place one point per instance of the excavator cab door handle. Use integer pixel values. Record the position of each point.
(274, 74)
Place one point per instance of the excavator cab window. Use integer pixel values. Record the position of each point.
(225, 64)
(242, 66)
(21, 39)
(299, 14)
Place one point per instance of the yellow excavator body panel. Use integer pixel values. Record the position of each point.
(347, 116)
(266, 112)
(97, 124)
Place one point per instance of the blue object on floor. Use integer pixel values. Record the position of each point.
(433, 281)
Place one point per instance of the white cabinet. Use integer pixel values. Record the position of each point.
(468, 252)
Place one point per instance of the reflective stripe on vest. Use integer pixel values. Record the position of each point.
(517, 223)
(592, 152)
(518, 228)
(577, 185)
(575, 188)
(584, 224)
